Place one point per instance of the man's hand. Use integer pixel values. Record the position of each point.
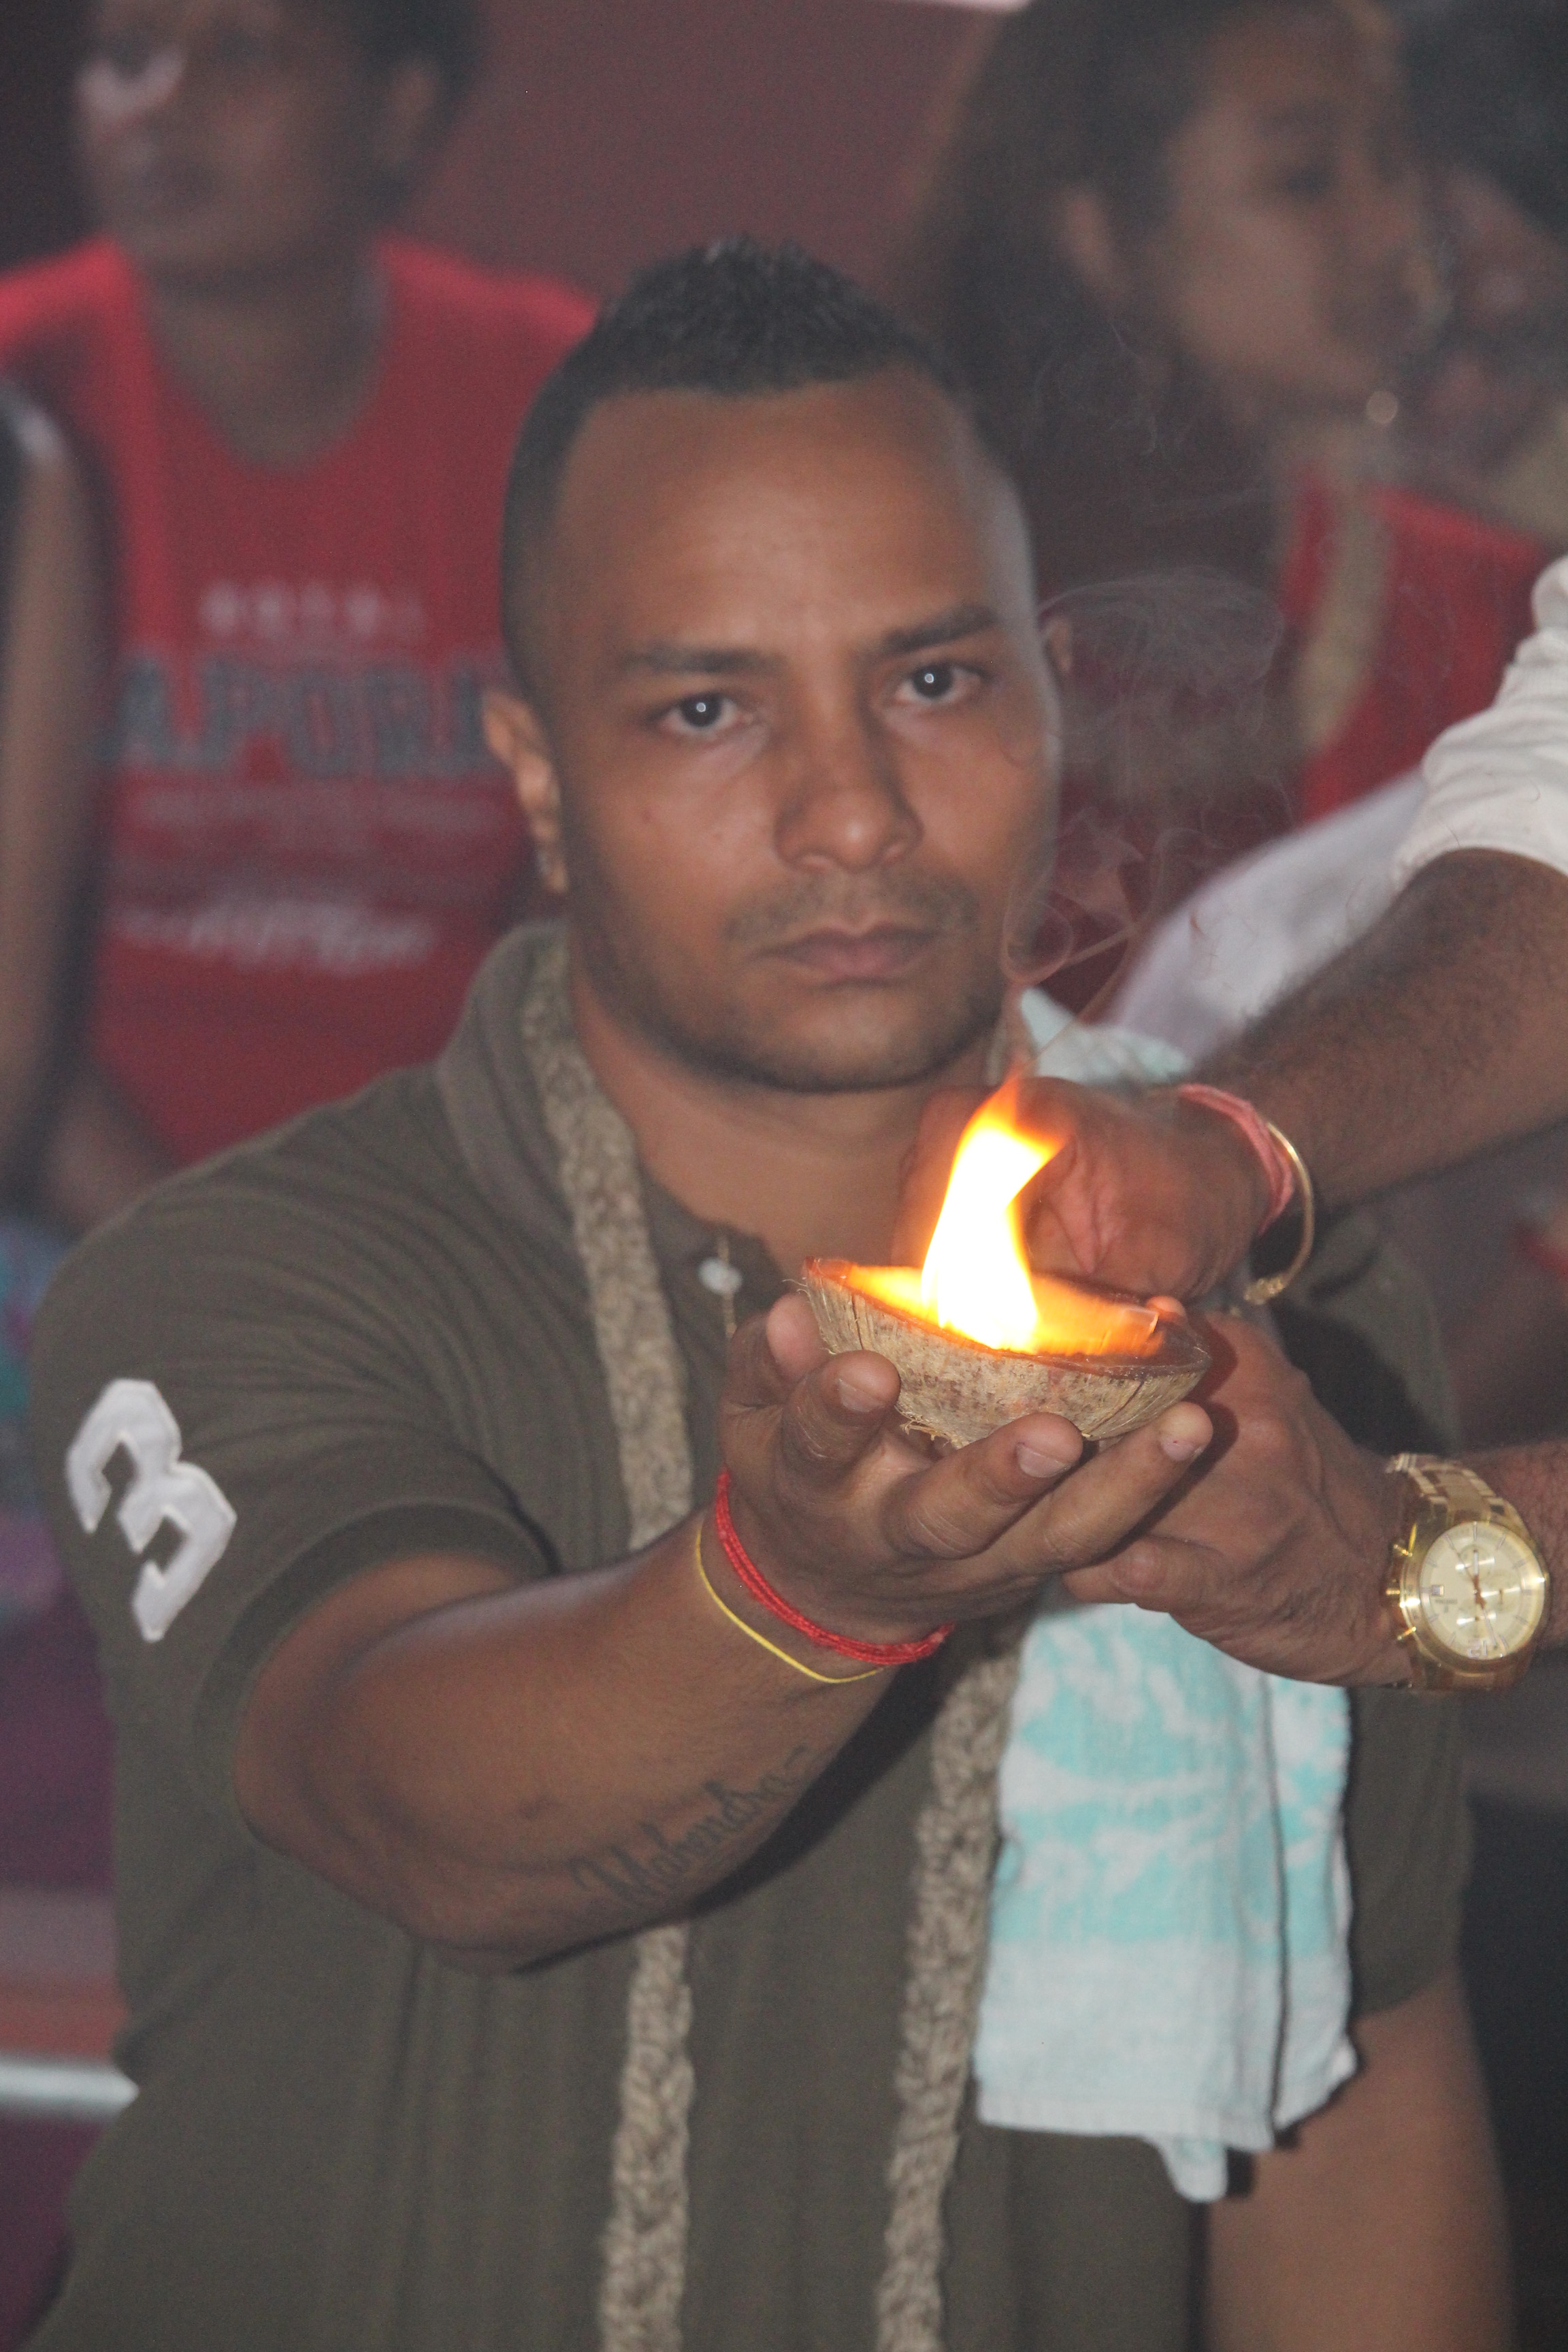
(1276, 1549)
(865, 1532)
(1153, 1194)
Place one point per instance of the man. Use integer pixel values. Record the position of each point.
(548, 1919)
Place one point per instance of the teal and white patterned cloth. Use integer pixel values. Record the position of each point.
(1170, 1919)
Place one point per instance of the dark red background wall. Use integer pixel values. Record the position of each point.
(606, 131)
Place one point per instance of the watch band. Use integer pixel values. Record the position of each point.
(1450, 1494)
(1460, 1490)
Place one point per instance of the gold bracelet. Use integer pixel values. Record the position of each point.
(762, 1639)
(1266, 1287)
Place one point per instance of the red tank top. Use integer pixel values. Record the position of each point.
(1453, 603)
(306, 847)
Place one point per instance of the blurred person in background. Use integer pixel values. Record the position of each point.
(297, 428)
(1484, 415)
(1172, 247)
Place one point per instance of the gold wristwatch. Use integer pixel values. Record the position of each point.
(1467, 1586)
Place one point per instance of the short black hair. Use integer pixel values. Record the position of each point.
(447, 33)
(733, 320)
(1489, 87)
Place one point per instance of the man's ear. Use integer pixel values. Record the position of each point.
(515, 734)
(1081, 231)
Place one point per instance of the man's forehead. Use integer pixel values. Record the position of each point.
(872, 498)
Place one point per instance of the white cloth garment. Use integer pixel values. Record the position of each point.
(1499, 781)
(1096, 1053)
(1259, 927)
(1169, 1924)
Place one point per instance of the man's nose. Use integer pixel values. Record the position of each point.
(843, 801)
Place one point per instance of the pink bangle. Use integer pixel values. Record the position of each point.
(1276, 1166)
(866, 1653)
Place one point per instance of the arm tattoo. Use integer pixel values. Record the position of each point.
(643, 1879)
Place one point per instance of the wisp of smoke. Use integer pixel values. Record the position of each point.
(1175, 753)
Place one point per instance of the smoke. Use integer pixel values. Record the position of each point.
(1175, 753)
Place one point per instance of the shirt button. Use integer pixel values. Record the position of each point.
(722, 1279)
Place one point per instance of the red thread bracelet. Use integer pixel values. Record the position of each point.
(866, 1653)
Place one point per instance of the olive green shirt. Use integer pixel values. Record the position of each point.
(368, 1336)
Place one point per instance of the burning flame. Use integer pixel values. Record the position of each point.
(976, 1278)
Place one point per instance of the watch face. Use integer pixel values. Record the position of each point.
(1482, 1594)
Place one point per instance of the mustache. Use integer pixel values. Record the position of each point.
(922, 902)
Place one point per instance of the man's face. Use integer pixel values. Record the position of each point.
(224, 138)
(1290, 265)
(800, 724)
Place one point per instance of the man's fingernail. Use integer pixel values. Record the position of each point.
(1035, 1463)
(1181, 1449)
(856, 1399)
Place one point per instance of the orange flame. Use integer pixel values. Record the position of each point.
(977, 1279)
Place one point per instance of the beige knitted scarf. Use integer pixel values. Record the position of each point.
(644, 2241)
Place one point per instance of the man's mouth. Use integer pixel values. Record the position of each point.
(882, 951)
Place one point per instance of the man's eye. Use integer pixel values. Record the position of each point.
(700, 714)
(939, 681)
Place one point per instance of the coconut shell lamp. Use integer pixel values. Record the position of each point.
(977, 1338)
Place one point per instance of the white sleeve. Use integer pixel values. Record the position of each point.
(1262, 926)
(1499, 781)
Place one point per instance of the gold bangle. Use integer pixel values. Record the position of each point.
(762, 1639)
(1266, 1287)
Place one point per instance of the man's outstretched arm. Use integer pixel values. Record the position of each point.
(509, 1771)
(1438, 1034)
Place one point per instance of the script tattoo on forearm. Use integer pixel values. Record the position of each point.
(662, 1865)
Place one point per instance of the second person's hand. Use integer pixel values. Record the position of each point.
(1148, 1194)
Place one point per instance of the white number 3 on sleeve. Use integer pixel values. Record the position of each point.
(131, 1414)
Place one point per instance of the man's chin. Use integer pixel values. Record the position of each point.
(854, 1056)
